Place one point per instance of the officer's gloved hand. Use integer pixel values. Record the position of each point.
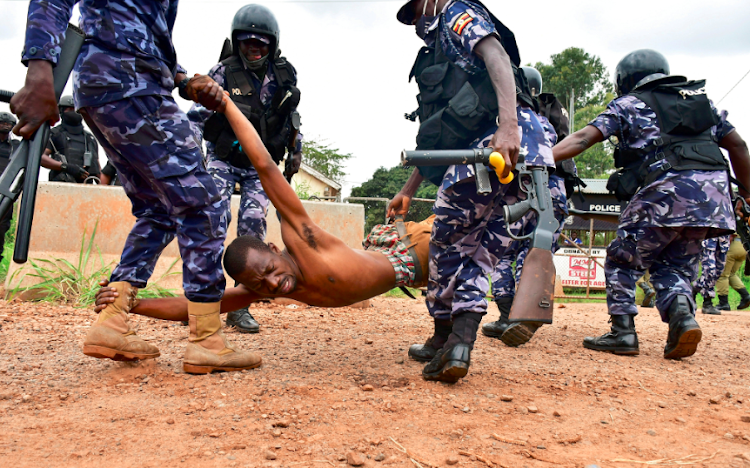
(77, 172)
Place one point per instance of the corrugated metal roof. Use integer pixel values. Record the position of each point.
(595, 186)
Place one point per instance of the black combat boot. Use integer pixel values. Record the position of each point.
(497, 328)
(621, 340)
(724, 303)
(243, 321)
(648, 295)
(684, 332)
(744, 299)
(452, 361)
(709, 308)
(427, 351)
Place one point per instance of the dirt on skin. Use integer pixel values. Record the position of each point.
(336, 388)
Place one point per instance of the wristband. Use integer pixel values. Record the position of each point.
(182, 87)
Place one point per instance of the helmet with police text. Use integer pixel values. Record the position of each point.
(255, 19)
(636, 66)
(535, 80)
(7, 117)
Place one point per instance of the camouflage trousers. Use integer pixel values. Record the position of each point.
(670, 254)
(251, 216)
(468, 238)
(713, 257)
(150, 142)
(503, 278)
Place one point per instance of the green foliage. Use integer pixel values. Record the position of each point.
(62, 281)
(325, 159)
(303, 190)
(598, 161)
(575, 69)
(386, 183)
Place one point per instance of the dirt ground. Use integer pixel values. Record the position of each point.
(336, 388)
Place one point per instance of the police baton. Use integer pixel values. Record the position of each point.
(22, 173)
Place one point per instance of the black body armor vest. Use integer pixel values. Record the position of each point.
(455, 105)
(274, 125)
(685, 118)
(6, 150)
(73, 145)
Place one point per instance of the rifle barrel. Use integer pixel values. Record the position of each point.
(445, 157)
(5, 96)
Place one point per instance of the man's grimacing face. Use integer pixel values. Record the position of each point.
(269, 273)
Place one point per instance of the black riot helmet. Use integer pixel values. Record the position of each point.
(7, 117)
(255, 19)
(636, 66)
(535, 80)
(66, 101)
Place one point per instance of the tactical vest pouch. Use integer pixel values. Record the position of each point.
(430, 82)
(624, 183)
(465, 113)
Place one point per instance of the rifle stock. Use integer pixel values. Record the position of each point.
(534, 301)
(24, 166)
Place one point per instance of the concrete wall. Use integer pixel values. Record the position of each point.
(64, 211)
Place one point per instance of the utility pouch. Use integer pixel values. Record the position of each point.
(213, 127)
(624, 183)
(465, 113)
(430, 82)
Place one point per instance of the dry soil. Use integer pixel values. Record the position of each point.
(336, 388)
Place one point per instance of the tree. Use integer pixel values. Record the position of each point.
(386, 183)
(325, 159)
(575, 70)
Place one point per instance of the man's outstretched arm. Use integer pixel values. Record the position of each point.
(175, 308)
(279, 191)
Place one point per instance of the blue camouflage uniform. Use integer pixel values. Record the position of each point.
(251, 216)
(713, 257)
(469, 235)
(665, 223)
(503, 278)
(122, 82)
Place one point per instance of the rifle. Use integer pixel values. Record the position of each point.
(291, 146)
(480, 158)
(537, 284)
(595, 215)
(22, 173)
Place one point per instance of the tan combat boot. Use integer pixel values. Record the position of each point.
(209, 349)
(111, 337)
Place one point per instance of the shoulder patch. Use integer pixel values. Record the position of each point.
(462, 22)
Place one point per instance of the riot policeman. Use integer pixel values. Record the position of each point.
(72, 146)
(467, 74)
(667, 135)
(263, 84)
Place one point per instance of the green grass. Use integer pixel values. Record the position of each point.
(60, 281)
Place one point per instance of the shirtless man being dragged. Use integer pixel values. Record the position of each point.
(316, 268)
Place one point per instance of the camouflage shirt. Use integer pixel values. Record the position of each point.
(128, 49)
(677, 198)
